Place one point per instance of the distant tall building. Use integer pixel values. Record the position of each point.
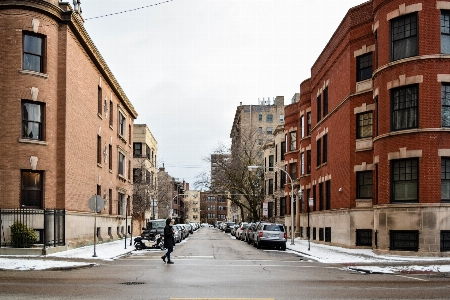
(256, 124)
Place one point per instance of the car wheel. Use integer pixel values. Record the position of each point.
(258, 245)
(283, 247)
(254, 244)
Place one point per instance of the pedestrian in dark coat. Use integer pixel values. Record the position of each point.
(169, 240)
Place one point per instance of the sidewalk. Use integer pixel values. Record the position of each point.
(361, 260)
(364, 260)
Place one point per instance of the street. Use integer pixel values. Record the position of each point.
(212, 264)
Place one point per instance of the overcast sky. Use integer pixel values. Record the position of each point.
(187, 64)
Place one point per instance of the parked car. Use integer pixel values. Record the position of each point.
(189, 228)
(240, 230)
(246, 232)
(228, 226)
(251, 233)
(177, 234)
(270, 235)
(181, 231)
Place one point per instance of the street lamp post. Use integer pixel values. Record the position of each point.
(251, 168)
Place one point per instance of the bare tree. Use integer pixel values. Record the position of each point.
(232, 178)
(164, 194)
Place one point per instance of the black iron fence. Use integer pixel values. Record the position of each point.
(47, 224)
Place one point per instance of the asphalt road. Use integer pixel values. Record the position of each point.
(211, 264)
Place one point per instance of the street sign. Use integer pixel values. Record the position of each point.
(311, 201)
(100, 203)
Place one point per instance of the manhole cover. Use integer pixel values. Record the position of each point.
(131, 283)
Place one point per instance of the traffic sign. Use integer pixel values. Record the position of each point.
(96, 200)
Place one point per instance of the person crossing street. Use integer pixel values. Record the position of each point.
(169, 240)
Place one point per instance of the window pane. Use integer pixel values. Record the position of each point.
(404, 36)
(32, 62)
(404, 108)
(31, 121)
(31, 189)
(445, 101)
(32, 44)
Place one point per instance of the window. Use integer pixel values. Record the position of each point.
(122, 124)
(364, 185)
(328, 195)
(283, 150)
(293, 171)
(293, 141)
(281, 118)
(404, 37)
(147, 176)
(445, 102)
(31, 189)
(269, 118)
(120, 204)
(282, 206)
(364, 125)
(270, 209)
(33, 120)
(122, 164)
(404, 240)
(270, 186)
(321, 196)
(260, 117)
(270, 162)
(137, 175)
(405, 180)
(445, 240)
(308, 123)
(147, 152)
(364, 67)
(260, 142)
(260, 129)
(110, 204)
(282, 178)
(111, 113)
(404, 107)
(99, 100)
(319, 108)
(325, 148)
(328, 234)
(302, 163)
(33, 52)
(308, 161)
(319, 154)
(302, 126)
(363, 237)
(269, 130)
(325, 101)
(320, 234)
(445, 32)
(99, 149)
(137, 149)
(445, 179)
(110, 157)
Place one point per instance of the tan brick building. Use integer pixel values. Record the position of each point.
(145, 172)
(66, 124)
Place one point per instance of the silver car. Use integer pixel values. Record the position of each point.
(270, 235)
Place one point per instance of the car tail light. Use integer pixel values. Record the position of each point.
(285, 235)
(260, 234)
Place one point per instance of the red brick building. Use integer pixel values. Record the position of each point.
(66, 124)
(374, 131)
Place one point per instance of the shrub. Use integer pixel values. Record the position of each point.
(22, 236)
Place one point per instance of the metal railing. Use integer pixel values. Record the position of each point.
(49, 224)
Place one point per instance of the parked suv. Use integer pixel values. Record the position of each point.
(228, 226)
(270, 235)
